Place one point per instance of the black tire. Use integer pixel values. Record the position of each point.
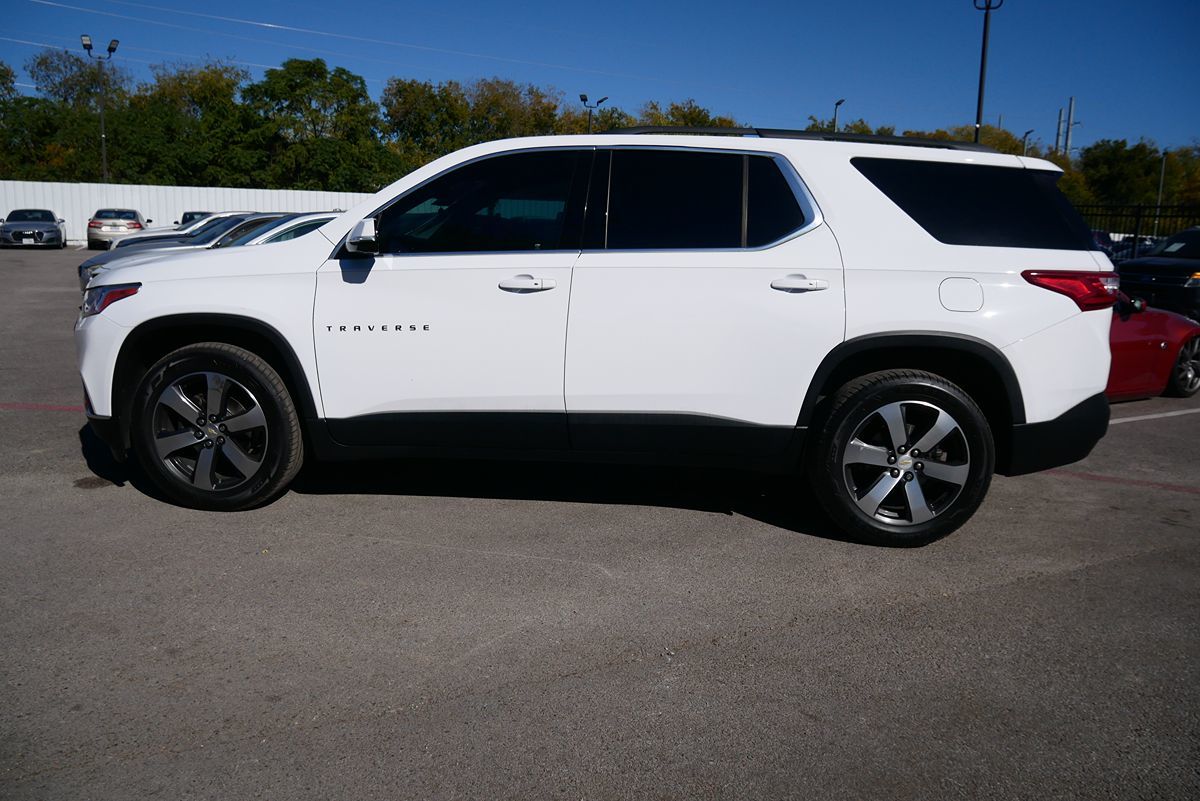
(1185, 373)
(245, 457)
(854, 457)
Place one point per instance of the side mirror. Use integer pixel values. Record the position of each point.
(175, 222)
(61, 220)
(362, 237)
(1138, 304)
(149, 221)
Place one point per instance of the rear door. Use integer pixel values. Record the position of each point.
(699, 317)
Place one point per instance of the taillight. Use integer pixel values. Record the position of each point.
(99, 298)
(95, 224)
(133, 225)
(1090, 291)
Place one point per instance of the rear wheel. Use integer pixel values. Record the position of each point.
(903, 458)
(1185, 375)
(215, 428)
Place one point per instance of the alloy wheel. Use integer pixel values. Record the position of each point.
(210, 431)
(906, 463)
(1187, 366)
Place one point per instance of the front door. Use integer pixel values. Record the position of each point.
(454, 334)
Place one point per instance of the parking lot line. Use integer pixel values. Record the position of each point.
(1132, 482)
(1152, 416)
(38, 407)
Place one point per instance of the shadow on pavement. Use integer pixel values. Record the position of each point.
(782, 501)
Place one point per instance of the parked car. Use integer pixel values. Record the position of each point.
(1167, 277)
(33, 227)
(192, 228)
(189, 217)
(1154, 352)
(262, 229)
(956, 325)
(217, 235)
(109, 225)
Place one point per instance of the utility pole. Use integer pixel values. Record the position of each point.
(86, 41)
(987, 7)
(835, 112)
(1058, 132)
(1070, 125)
(1025, 142)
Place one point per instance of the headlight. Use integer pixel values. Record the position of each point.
(1193, 281)
(99, 298)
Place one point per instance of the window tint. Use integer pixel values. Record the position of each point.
(772, 209)
(247, 230)
(523, 201)
(670, 200)
(664, 199)
(972, 204)
(211, 233)
(1184, 245)
(31, 215)
(115, 214)
(299, 230)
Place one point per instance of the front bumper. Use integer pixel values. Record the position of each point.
(44, 239)
(1053, 443)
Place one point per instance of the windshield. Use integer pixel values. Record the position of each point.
(32, 215)
(247, 230)
(1184, 245)
(115, 214)
(212, 231)
(273, 224)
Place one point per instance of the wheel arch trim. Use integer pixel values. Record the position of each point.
(294, 375)
(858, 346)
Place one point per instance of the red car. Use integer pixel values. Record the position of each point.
(1153, 352)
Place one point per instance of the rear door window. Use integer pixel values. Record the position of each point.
(681, 200)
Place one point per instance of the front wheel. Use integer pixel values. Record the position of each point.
(214, 427)
(1185, 375)
(904, 458)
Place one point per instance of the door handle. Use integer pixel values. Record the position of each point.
(527, 283)
(798, 283)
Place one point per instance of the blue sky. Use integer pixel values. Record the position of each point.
(1132, 66)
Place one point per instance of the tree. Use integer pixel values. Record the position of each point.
(76, 81)
(687, 113)
(319, 129)
(8, 81)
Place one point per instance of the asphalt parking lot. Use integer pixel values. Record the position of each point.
(522, 631)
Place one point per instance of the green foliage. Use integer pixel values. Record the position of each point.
(688, 113)
(306, 126)
(8, 81)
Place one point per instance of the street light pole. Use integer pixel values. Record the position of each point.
(1162, 173)
(835, 112)
(987, 7)
(86, 41)
(583, 99)
(1025, 142)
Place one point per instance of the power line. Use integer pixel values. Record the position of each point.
(347, 37)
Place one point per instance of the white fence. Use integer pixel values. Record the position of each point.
(76, 203)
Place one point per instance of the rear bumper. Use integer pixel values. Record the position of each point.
(1053, 443)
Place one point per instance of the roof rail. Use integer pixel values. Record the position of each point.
(787, 133)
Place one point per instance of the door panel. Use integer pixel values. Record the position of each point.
(1135, 340)
(701, 334)
(409, 333)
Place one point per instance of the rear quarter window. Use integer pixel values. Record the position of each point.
(974, 204)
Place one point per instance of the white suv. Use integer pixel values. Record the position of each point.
(895, 318)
